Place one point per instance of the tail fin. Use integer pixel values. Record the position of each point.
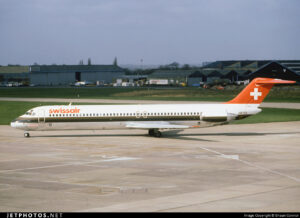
(256, 91)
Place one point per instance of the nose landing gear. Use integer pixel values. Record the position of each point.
(26, 134)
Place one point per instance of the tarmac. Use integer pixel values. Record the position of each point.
(230, 168)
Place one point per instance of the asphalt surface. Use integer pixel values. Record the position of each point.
(248, 168)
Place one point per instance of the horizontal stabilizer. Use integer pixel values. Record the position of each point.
(261, 81)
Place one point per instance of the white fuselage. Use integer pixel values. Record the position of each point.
(155, 116)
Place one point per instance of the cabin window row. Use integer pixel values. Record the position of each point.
(127, 114)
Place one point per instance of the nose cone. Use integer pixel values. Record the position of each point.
(16, 124)
(13, 123)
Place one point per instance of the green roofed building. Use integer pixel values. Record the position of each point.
(14, 73)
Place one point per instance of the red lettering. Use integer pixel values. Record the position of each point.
(64, 111)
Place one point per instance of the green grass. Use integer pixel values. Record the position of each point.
(9, 110)
(272, 115)
(277, 94)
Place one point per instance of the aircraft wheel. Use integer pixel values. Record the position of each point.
(157, 134)
(151, 132)
(26, 135)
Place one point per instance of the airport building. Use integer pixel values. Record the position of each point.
(233, 71)
(169, 77)
(14, 74)
(236, 71)
(67, 74)
(53, 75)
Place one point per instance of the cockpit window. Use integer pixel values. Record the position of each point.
(29, 112)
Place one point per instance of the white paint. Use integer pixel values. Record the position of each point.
(120, 159)
(255, 94)
(71, 164)
(234, 157)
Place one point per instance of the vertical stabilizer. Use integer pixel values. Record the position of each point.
(256, 91)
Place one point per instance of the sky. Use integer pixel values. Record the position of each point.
(147, 32)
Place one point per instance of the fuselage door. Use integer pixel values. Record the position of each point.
(41, 116)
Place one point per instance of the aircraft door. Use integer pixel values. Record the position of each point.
(41, 116)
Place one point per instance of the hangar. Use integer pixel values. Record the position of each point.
(236, 71)
(276, 70)
(248, 69)
(66, 74)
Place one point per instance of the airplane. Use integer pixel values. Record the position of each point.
(151, 117)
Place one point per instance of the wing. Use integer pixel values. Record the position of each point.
(153, 125)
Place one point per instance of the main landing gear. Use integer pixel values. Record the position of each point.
(26, 134)
(154, 132)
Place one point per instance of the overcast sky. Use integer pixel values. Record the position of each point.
(157, 31)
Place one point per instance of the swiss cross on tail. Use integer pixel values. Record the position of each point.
(251, 94)
(255, 94)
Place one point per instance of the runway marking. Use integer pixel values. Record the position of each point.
(72, 164)
(236, 157)
(183, 200)
(269, 170)
(121, 159)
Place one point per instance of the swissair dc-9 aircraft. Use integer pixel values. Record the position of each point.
(151, 117)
